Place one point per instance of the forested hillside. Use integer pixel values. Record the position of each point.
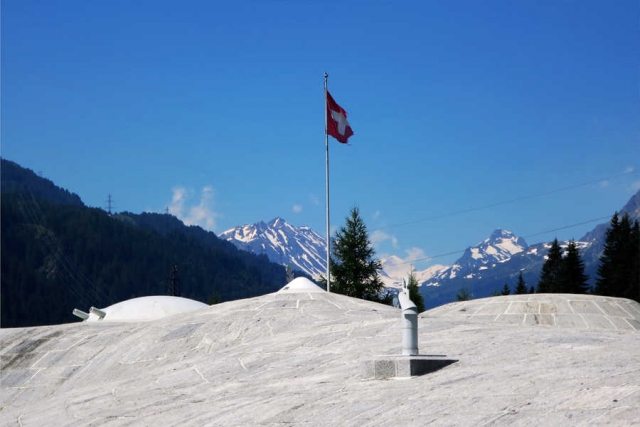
(58, 255)
(18, 179)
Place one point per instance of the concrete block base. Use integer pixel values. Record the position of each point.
(384, 367)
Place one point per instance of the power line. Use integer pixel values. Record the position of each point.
(506, 202)
(602, 218)
(80, 285)
(428, 258)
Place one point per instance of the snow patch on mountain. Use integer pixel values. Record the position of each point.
(282, 243)
(497, 249)
(306, 250)
(394, 269)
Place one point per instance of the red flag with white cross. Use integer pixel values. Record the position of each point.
(337, 124)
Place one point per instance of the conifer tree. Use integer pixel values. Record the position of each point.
(551, 270)
(506, 290)
(463, 294)
(619, 270)
(414, 292)
(354, 270)
(521, 287)
(634, 283)
(606, 283)
(631, 247)
(572, 279)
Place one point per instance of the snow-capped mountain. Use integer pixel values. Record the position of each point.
(486, 267)
(497, 249)
(282, 243)
(394, 269)
(482, 269)
(306, 250)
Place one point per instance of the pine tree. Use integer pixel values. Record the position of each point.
(632, 245)
(354, 270)
(619, 270)
(463, 294)
(551, 270)
(414, 292)
(572, 279)
(634, 285)
(606, 281)
(506, 290)
(521, 287)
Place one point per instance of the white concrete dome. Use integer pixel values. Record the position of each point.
(301, 284)
(146, 308)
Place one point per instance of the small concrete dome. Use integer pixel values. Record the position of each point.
(146, 308)
(301, 284)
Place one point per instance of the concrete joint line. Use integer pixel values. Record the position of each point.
(202, 376)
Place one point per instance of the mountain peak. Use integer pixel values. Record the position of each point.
(282, 243)
(499, 233)
(498, 248)
(507, 240)
(276, 222)
(633, 206)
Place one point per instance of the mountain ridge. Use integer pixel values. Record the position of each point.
(282, 243)
(58, 254)
(483, 268)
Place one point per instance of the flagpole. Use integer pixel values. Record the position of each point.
(326, 144)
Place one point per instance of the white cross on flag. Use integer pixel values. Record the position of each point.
(337, 124)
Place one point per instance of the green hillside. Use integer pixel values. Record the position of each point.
(58, 254)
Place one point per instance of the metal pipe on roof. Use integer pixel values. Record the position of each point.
(409, 322)
(97, 312)
(81, 314)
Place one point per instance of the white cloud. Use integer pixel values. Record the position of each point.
(201, 214)
(176, 207)
(629, 169)
(297, 208)
(378, 236)
(604, 183)
(376, 214)
(415, 254)
(314, 199)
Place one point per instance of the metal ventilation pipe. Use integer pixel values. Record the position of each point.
(409, 322)
(81, 314)
(97, 312)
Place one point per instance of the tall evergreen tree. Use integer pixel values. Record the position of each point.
(464, 294)
(521, 287)
(506, 290)
(619, 270)
(354, 270)
(572, 278)
(606, 283)
(551, 270)
(414, 292)
(634, 288)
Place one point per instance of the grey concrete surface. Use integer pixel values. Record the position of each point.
(294, 359)
(385, 367)
(552, 310)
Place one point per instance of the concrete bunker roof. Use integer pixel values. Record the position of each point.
(293, 358)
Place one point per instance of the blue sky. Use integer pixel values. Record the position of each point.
(468, 116)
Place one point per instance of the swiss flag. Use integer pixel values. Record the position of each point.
(337, 124)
